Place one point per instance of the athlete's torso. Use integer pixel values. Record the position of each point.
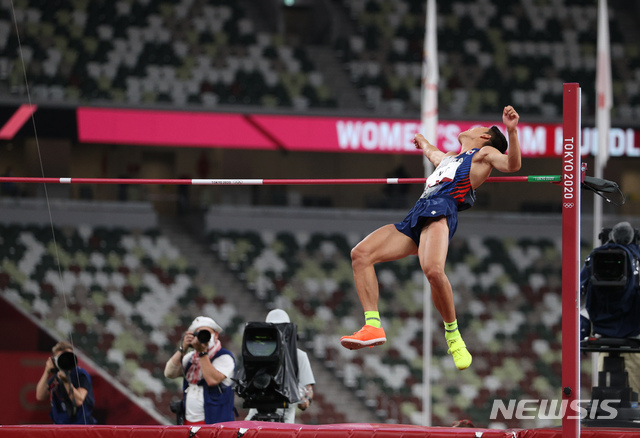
(451, 179)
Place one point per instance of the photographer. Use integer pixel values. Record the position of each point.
(305, 375)
(67, 386)
(613, 307)
(207, 371)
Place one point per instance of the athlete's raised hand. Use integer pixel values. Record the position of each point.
(510, 117)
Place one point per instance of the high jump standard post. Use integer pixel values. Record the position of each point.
(571, 178)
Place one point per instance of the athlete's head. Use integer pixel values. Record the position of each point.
(497, 139)
(481, 136)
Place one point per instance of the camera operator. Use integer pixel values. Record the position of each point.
(305, 375)
(207, 371)
(614, 311)
(67, 386)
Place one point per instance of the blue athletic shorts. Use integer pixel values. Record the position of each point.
(425, 209)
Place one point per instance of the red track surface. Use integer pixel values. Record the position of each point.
(256, 429)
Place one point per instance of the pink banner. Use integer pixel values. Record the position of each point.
(316, 134)
(169, 128)
(389, 136)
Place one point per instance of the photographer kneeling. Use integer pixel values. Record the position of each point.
(67, 386)
(207, 371)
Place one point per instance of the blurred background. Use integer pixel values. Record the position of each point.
(243, 89)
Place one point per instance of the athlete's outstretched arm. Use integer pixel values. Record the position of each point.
(432, 153)
(513, 160)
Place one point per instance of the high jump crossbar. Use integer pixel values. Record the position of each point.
(261, 182)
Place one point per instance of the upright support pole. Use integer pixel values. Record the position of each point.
(571, 176)
(429, 119)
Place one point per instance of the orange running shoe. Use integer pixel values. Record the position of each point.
(367, 336)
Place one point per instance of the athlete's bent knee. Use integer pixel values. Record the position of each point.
(434, 273)
(360, 257)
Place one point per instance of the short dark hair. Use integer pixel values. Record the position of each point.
(497, 140)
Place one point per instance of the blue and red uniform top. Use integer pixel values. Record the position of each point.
(451, 178)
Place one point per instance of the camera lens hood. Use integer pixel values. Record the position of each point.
(204, 336)
(65, 361)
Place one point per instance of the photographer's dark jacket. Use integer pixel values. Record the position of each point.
(614, 311)
(63, 409)
(218, 400)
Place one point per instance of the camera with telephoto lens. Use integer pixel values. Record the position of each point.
(203, 336)
(65, 361)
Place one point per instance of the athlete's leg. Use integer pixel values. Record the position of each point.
(432, 252)
(434, 245)
(383, 245)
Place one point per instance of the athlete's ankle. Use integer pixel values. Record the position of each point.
(372, 318)
(451, 330)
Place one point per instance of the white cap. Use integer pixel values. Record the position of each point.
(277, 316)
(204, 321)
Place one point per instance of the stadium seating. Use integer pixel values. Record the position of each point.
(180, 52)
(489, 53)
(508, 302)
(152, 52)
(126, 296)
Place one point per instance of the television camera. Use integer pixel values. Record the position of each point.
(268, 378)
(610, 266)
(611, 285)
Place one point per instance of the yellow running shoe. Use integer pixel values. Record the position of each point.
(367, 336)
(461, 356)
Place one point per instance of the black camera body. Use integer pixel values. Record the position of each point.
(609, 267)
(177, 407)
(268, 378)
